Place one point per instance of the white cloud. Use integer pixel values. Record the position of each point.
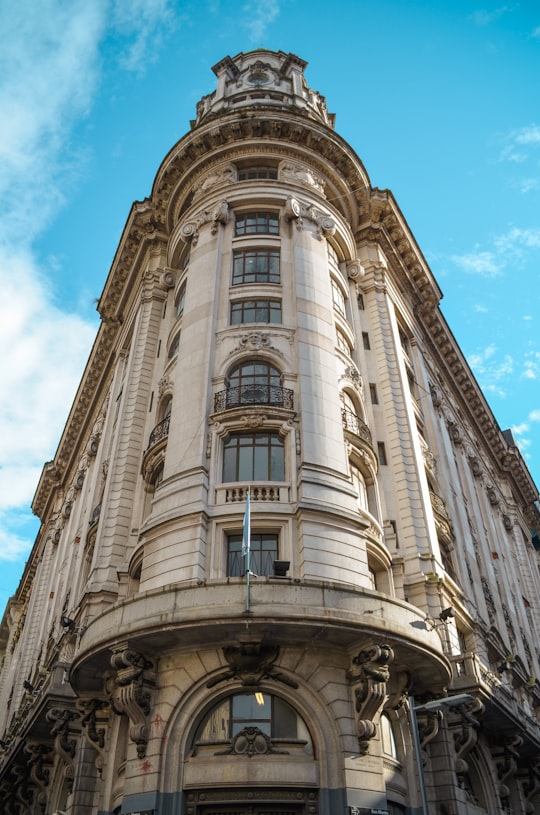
(50, 64)
(483, 17)
(536, 32)
(481, 309)
(142, 23)
(534, 416)
(482, 263)
(511, 247)
(257, 16)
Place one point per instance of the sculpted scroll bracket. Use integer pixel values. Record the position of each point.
(129, 689)
(369, 675)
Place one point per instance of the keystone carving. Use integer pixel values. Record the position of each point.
(369, 676)
(251, 662)
(251, 742)
(129, 691)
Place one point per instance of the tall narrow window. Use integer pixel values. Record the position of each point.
(255, 266)
(264, 551)
(254, 457)
(257, 223)
(337, 298)
(180, 301)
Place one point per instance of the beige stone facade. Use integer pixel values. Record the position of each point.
(270, 324)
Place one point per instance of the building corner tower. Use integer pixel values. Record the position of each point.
(270, 326)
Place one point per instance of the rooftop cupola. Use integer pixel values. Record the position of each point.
(270, 79)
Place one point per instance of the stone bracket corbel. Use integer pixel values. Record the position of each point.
(129, 689)
(94, 720)
(369, 676)
(466, 734)
(65, 731)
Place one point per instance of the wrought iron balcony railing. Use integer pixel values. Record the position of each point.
(160, 431)
(253, 394)
(354, 424)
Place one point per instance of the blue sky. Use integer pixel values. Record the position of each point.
(439, 99)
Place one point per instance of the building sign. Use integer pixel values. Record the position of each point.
(367, 811)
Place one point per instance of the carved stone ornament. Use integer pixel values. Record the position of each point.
(94, 720)
(129, 691)
(355, 270)
(65, 731)
(251, 742)
(221, 175)
(167, 279)
(369, 675)
(507, 767)
(465, 730)
(251, 662)
(40, 761)
(189, 230)
(292, 209)
(300, 174)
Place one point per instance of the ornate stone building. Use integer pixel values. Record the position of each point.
(269, 323)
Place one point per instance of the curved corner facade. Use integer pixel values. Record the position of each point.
(269, 532)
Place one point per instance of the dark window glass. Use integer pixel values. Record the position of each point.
(264, 550)
(255, 266)
(373, 394)
(365, 340)
(254, 457)
(257, 171)
(253, 383)
(272, 715)
(257, 223)
(256, 311)
(180, 302)
(381, 450)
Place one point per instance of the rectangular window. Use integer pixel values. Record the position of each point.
(264, 550)
(365, 340)
(381, 450)
(257, 171)
(255, 266)
(254, 457)
(257, 223)
(373, 394)
(255, 311)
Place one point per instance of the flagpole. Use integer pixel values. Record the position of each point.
(246, 548)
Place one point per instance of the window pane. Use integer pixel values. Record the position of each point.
(255, 311)
(252, 223)
(255, 266)
(284, 720)
(254, 457)
(263, 552)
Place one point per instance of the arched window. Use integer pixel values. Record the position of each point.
(267, 713)
(254, 383)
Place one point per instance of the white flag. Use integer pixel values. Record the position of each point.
(246, 532)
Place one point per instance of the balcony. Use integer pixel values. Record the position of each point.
(160, 431)
(353, 424)
(156, 444)
(253, 394)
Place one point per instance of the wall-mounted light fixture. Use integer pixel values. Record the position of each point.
(445, 615)
(281, 567)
